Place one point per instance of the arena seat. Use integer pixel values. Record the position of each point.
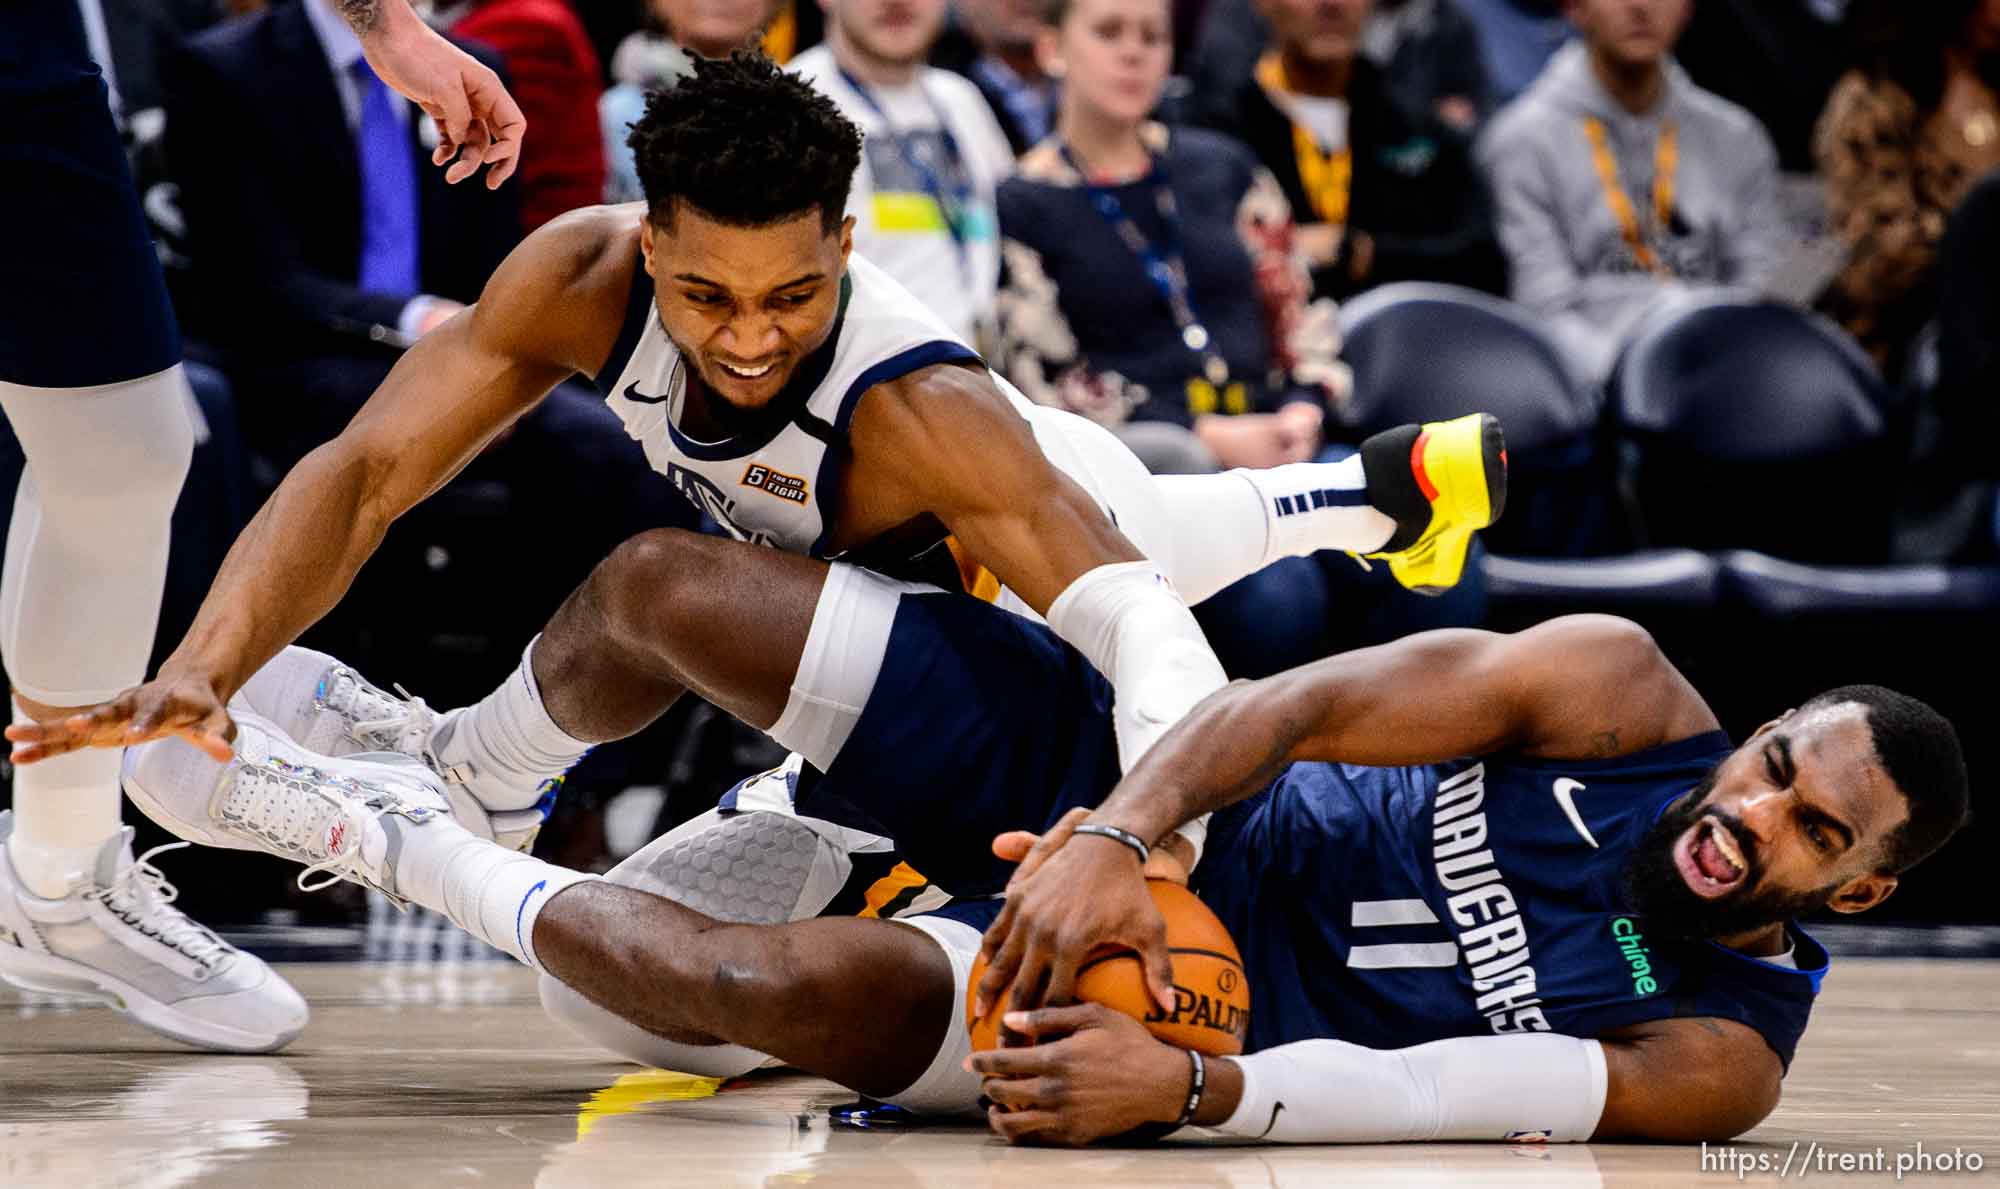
(1755, 425)
(1426, 352)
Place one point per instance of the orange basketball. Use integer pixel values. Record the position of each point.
(1211, 995)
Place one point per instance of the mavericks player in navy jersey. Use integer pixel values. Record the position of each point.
(1485, 886)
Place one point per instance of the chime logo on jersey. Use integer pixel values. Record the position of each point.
(789, 488)
(1492, 940)
(1631, 944)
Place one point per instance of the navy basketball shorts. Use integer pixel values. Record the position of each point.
(941, 721)
(82, 299)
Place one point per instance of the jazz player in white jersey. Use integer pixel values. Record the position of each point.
(808, 403)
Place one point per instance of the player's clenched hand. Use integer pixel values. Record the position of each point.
(183, 706)
(1105, 1076)
(1071, 895)
(477, 120)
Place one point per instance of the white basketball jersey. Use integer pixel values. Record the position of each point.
(777, 487)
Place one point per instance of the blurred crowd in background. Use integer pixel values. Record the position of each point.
(1728, 270)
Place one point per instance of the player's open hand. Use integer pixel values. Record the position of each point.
(183, 706)
(478, 121)
(1071, 895)
(1105, 1076)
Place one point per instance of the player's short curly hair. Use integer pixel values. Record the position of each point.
(744, 143)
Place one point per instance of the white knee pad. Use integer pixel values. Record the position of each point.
(87, 546)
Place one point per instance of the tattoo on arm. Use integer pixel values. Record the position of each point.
(1604, 743)
(362, 15)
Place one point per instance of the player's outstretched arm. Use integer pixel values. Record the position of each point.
(1676, 1080)
(1586, 685)
(478, 121)
(444, 401)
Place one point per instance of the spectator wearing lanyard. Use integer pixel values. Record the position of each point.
(1149, 284)
(1621, 185)
(1381, 193)
(932, 158)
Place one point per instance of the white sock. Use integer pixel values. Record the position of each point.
(491, 892)
(64, 809)
(1310, 506)
(1233, 524)
(509, 741)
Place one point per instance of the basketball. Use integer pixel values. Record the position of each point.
(1211, 995)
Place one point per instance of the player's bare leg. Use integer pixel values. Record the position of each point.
(862, 1002)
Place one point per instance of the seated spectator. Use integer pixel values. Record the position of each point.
(656, 57)
(1147, 277)
(1381, 194)
(992, 42)
(1621, 184)
(1149, 287)
(336, 239)
(1428, 51)
(932, 161)
(1904, 136)
(555, 79)
(1516, 39)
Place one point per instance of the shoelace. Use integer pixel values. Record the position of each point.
(405, 727)
(145, 890)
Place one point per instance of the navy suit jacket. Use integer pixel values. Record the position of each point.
(271, 189)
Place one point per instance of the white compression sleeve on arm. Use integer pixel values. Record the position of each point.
(1464, 1088)
(1128, 621)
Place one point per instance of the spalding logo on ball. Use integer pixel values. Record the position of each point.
(1211, 995)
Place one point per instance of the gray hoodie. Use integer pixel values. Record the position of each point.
(1569, 257)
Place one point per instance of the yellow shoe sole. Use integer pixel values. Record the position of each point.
(1462, 466)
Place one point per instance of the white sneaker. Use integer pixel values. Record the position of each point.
(340, 817)
(329, 708)
(117, 939)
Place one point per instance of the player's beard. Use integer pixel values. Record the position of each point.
(1654, 888)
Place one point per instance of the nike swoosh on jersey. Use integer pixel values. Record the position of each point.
(1566, 790)
(632, 393)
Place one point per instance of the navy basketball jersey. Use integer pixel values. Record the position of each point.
(1394, 906)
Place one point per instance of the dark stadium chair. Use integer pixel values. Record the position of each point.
(1754, 425)
(1423, 352)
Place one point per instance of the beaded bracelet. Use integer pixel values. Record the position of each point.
(1195, 1087)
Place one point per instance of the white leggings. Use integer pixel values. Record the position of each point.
(87, 547)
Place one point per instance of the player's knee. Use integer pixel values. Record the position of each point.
(648, 583)
(125, 468)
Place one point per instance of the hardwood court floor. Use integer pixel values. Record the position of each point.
(446, 1074)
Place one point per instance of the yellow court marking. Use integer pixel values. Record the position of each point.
(636, 1090)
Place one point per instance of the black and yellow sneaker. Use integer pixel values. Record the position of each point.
(1442, 481)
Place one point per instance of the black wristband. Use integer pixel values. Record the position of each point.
(1117, 835)
(1198, 1084)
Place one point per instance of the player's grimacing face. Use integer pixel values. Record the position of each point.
(1794, 820)
(746, 304)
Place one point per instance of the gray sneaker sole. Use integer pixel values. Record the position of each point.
(53, 974)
